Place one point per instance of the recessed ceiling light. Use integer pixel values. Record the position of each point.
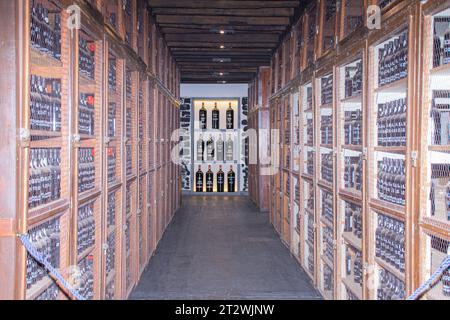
(221, 73)
(222, 31)
(222, 46)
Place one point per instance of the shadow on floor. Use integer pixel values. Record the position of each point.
(222, 248)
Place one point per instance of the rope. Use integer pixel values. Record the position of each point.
(429, 283)
(38, 256)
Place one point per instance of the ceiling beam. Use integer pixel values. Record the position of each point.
(174, 27)
(256, 12)
(226, 21)
(217, 38)
(236, 4)
(214, 45)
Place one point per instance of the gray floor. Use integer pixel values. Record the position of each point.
(222, 248)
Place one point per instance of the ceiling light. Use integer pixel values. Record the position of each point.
(222, 31)
(222, 46)
(221, 73)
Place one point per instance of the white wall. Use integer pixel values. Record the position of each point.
(214, 90)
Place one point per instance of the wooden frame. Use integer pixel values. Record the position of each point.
(108, 44)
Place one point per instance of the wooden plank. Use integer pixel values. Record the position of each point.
(234, 45)
(204, 4)
(229, 21)
(236, 28)
(255, 12)
(226, 38)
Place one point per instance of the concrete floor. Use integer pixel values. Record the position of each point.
(222, 248)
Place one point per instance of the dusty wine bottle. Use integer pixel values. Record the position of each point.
(215, 117)
(203, 117)
(199, 180)
(210, 149)
(220, 149)
(220, 180)
(230, 117)
(231, 177)
(200, 149)
(209, 180)
(230, 149)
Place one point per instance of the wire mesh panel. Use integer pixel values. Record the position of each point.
(46, 238)
(351, 254)
(45, 28)
(112, 12)
(438, 249)
(325, 97)
(329, 25)
(308, 130)
(127, 6)
(327, 261)
(353, 15)
(390, 258)
(389, 286)
(312, 13)
(309, 227)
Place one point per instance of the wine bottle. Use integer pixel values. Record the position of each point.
(203, 117)
(230, 118)
(230, 149)
(199, 180)
(220, 180)
(215, 117)
(209, 180)
(210, 149)
(447, 47)
(220, 149)
(200, 149)
(231, 177)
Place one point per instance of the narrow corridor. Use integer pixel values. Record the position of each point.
(222, 248)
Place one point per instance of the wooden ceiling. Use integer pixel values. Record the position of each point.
(223, 40)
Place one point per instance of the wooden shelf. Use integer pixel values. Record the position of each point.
(352, 240)
(41, 59)
(352, 147)
(390, 268)
(388, 208)
(441, 71)
(353, 287)
(353, 99)
(399, 86)
(327, 261)
(41, 213)
(399, 150)
(327, 222)
(39, 288)
(85, 253)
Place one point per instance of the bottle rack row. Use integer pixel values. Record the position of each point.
(364, 157)
(94, 144)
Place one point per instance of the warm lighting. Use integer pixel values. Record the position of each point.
(222, 46)
(222, 31)
(221, 74)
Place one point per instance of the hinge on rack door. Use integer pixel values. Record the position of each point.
(414, 157)
(365, 268)
(105, 247)
(76, 138)
(364, 154)
(125, 140)
(107, 140)
(24, 135)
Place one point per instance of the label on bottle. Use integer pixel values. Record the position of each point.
(230, 119)
(215, 119)
(202, 119)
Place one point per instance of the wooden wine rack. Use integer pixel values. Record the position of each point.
(297, 66)
(153, 103)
